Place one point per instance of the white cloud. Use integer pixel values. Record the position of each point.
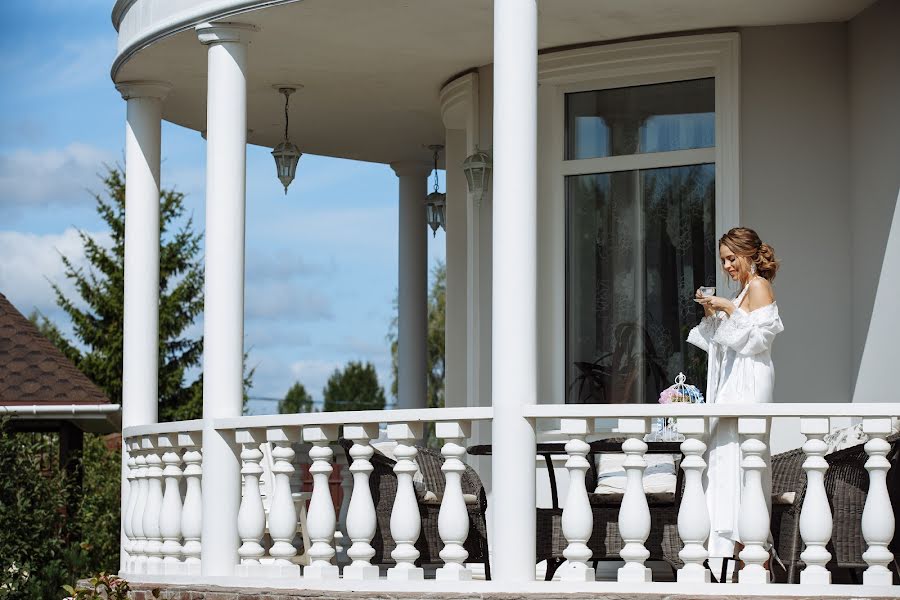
(276, 300)
(30, 262)
(50, 177)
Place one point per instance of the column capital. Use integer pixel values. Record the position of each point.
(413, 168)
(221, 32)
(144, 89)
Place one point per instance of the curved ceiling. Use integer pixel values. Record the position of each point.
(372, 75)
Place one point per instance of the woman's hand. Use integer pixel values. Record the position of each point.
(711, 304)
(701, 299)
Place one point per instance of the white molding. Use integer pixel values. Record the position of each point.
(621, 65)
(459, 106)
(797, 409)
(415, 415)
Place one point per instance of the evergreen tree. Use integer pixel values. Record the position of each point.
(437, 302)
(297, 400)
(354, 388)
(99, 324)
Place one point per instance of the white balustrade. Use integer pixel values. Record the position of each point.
(152, 510)
(361, 521)
(406, 522)
(815, 516)
(577, 518)
(753, 521)
(139, 564)
(282, 512)
(634, 514)
(321, 516)
(453, 518)
(877, 517)
(128, 513)
(693, 524)
(341, 537)
(170, 513)
(192, 509)
(251, 515)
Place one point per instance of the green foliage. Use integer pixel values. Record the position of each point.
(101, 292)
(99, 512)
(437, 304)
(103, 587)
(354, 388)
(33, 563)
(297, 400)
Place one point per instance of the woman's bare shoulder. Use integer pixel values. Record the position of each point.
(760, 292)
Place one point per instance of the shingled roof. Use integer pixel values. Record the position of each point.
(33, 371)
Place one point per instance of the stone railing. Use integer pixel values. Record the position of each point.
(162, 516)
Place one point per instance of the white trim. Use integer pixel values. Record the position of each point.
(631, 162)
(421, 415)
(797, 409)
(610, 66)
(51, 411)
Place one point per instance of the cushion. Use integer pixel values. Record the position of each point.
(659, 476)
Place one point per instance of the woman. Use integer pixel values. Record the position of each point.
(737, 336)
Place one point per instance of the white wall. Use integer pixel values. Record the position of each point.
(874, 69)
(795, 185)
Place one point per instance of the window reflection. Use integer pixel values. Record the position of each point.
(660, 117)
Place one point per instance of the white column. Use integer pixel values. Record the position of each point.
(321, 520)
(878, 517)
(815, 516)
(453, 518)
(514, 325)
(223, 319)
(361, 518)
(693, 518)
(634, 514)
(457, 298)
(577, 518)
(753, 521)
(141, 312)
(170, 514)
(412, 292)
(406, 522)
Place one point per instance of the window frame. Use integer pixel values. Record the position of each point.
(611, 66)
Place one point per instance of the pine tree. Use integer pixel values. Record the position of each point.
(99, 325)
(354, 388)
(297, 400)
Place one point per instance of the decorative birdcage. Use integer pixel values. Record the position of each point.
(664, 429)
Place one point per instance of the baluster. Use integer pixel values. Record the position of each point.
(453, 518)
(192, 510)
(170, 514)
(634, 514)
(577, 517)
(693, 516)
(877, 517)
(282, 513)
(137, 519)
(361, 520)
(753, 521)
(153, 549)
(321, 519)
(815, 516)
(406, 522)
(252, 515)
(132, 500)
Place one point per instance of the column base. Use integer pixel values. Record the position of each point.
(753, 574)
(815, 575)
(322, 572)
(361, 572)
(693, 574)
(453, 573)
(634, 574)
(406, 573)
(877, 575)
(571, 571)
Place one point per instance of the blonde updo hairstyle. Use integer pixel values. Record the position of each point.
(744, 242)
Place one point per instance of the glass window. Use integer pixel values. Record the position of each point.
(679, 115)
(638, 244)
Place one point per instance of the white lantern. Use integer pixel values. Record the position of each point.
(286, 154)
(477, 168)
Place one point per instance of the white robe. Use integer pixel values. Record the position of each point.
(739, 371)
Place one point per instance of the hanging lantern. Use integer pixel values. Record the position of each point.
(286, 154)
(436, 202)
(477, 168)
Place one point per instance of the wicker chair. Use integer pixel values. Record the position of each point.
(383, 485)
(846, 485)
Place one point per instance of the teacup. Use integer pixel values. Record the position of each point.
(707, 290)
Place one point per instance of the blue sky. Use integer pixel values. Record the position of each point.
(321, 262)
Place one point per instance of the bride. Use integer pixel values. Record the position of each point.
(737, 335)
